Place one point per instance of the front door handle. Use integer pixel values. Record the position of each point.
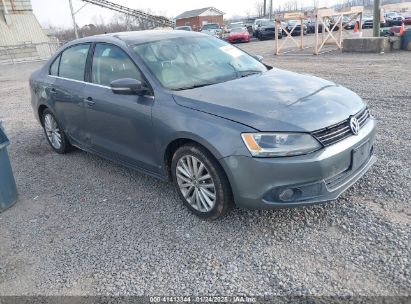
(89, 101)
(53, 90)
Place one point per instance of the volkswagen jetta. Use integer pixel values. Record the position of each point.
(222, 126)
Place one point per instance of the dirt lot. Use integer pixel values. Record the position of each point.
(85, 226)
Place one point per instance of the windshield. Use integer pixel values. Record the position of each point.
(185, 63)
(236, 25)
(211, 26)
(293, 22)
(183, 28)
(265, 22)
(238, 30)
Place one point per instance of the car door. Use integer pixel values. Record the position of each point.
(120, 125)
(67, 92)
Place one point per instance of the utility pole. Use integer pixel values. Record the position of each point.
(271, 10)
(74, 19)
(265, 8)
(376, 25)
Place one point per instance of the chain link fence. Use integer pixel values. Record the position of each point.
(28, 52)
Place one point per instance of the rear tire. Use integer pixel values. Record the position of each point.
(201, 182)
(55, 135)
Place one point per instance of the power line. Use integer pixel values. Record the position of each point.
(158, 20)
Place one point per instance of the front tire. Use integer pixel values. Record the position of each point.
(201, 182)
(55, 135)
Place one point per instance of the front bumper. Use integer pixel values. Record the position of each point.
(238, 39)
(321, 176)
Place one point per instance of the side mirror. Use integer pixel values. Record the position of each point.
(259, 57)
(128, 86)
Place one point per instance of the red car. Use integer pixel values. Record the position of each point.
(407, 20)
(238, 34)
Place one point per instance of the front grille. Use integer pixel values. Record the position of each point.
(341, 130)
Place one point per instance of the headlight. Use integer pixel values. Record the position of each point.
(279, 144)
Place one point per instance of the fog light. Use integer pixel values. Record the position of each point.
(286, 194)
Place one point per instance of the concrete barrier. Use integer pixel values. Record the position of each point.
(366, 45)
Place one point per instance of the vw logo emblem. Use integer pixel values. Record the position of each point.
(354, 125)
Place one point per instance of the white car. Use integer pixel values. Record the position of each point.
(212, 29)
(393, 18)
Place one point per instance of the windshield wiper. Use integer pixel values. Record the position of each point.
(194, 86)
(244, 73)
(247, 73)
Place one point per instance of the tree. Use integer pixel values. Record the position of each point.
(291, 5)
(259, 8)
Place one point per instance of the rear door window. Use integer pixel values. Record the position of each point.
(73, 62)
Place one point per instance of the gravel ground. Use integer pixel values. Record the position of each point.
(85, 226)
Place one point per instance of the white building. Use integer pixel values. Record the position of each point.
(21, 36)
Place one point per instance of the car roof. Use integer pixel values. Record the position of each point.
(137, 37)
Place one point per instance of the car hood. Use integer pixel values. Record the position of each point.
(267, 28)
(276, 100)
(210, 31)
(237, 34)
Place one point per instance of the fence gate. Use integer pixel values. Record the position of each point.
(279, 20)
(329, 19)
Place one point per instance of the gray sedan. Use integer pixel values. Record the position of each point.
(222, 126)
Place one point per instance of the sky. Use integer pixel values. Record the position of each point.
(57, 12)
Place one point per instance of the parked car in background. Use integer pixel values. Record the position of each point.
(348, 23)
(248, 23)
(407, 20)
(234, 25)
(297, 30)
(183, 28)
(212, 29)
(268, 31)
(393, 18)
(367, 22)
(311, 26)
(257, 24)
(238, 34)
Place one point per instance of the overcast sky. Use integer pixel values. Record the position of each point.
(57, 12)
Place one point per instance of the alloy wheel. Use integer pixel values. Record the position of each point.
(52, 131)
(196, 183)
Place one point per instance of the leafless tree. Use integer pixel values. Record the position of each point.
(259, 8)
(118, 23)
(291, 5)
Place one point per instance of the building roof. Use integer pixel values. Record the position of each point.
(198, 12)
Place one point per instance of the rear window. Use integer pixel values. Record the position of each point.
(73, 62)
(54, 68)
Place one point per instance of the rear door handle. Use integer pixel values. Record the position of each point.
(89, 101)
